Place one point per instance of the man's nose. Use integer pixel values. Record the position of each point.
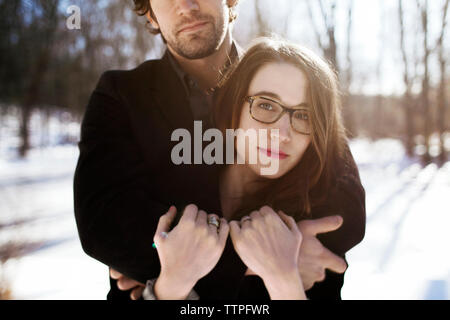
(284, 129)
(186, 6)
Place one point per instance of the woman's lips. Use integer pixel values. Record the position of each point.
(278, 155)
(193, 27)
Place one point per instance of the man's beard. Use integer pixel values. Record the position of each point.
(198, 46)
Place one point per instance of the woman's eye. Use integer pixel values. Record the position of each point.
(266, 106)
(302, 116)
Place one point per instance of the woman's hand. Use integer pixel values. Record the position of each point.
(269, 243)
(188, 252)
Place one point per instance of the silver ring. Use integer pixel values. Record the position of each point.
(213, 221)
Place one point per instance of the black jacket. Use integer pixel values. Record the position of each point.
(125, 180)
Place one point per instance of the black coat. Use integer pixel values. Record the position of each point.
(125, 180)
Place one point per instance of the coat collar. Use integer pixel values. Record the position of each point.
(171, 95)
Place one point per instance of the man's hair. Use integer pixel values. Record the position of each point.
(142, 7)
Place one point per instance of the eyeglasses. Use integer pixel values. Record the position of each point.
(269, 111)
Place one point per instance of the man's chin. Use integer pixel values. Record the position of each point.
(196, 50)
(196, 46)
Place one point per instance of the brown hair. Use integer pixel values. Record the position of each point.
(306, 185)
(142, 7)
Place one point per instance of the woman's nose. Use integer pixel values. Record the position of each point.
(186, 6)
(284, 126)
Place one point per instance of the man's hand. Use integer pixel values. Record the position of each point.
(314, 258)
(124, 283)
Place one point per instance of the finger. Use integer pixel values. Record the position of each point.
(266, 210)
(289, 221)
(166, 220)
(322, 225)
(201, 218)
(137, 292)
(333, 262)
(245, 221)
(255, 215)
(223, 232)
(125, 283)
(114, 273)
(234, 229)
(189, 213)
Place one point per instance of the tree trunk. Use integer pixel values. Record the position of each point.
(408, 106)
(30, 101)
(32, 94)
(442, 98)
(347, 111)
(425, 95)
(410, 130)
(261, 26)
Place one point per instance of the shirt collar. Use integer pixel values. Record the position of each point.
(235, 53)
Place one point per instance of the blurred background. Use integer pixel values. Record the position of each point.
(392, 57)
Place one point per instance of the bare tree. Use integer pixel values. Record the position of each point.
(261, 26)
(408, 105)
(378, 126)
(425, 94)
(43, 50)
(347, 112)
(442, 98)
(326, 40)
(328, 14)
(348, 57)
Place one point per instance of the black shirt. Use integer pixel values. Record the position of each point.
(200, 101)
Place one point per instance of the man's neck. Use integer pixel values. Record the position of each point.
(206, 70)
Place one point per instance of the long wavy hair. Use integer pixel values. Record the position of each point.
(306, 185)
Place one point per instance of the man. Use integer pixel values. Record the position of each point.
(125, 179)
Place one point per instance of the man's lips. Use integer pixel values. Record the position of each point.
(279, 155)
(193, 26)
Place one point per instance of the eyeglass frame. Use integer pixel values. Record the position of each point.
(251, 99)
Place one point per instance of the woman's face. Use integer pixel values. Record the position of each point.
(287, 85)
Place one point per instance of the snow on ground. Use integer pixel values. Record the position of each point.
(38, 192)
(36, 207)
(404, 254)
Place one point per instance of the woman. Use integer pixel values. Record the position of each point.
(292, 94)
